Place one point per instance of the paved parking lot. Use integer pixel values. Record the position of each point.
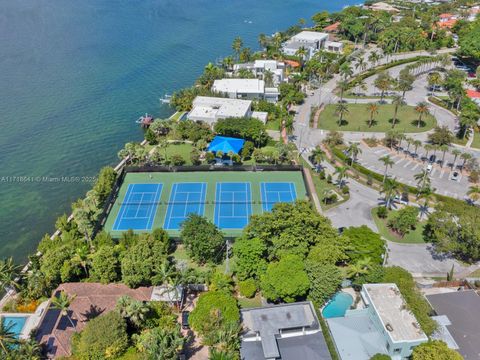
(405, 168)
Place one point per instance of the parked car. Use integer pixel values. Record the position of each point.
(432, 159)
(455, 176)
(402, 199)
(185, 315)
(429, 167)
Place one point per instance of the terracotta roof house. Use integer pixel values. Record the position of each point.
(447, 20)
(333, 28)
(91, 300)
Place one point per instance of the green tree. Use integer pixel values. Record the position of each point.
(441, 135)
(9, 273)
(390, 189)
(341, 109)
(404, 220)
(62, 301)
(422, 110)
(202, 239)
(325, 280)
(372, 109)
(397, 101)
(237, 46)
(133, 311)
(384, 82)
(104, 184)
(285, 280)
(363, 242)
(160, 343)
(103, 337)
(434, 80)
(142, 260)
(388, 162)
(214, 304)
(353, 151)
(360, 267)
(341, 172)
(380, 357)
(249, 257)
(8, 339)
(105, 265)
(435, 350)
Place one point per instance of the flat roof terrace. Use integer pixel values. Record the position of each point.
(398, 321)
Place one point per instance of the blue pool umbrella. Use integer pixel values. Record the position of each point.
(226, 144)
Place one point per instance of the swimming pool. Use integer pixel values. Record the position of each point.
(14, 323)
(338, 305)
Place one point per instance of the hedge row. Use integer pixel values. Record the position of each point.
(381, 68)
(441, 103)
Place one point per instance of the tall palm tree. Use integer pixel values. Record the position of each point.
(163, 144)
(423, 180)
(372, 108)
(416, 144)
(434, 80)
(443, 148)
(390, 189)
(133, 310)
(397, 102)
(318, 155)
(374, 57)
(341, 172)
(360, 64)
(456, 153)
(428, 148)
(342, 85)
(361, 267)
(82, 256)
(465, 157)
(474, 193)
(9, 273)
(388, 162)
(421, 109)
(354, 150)
(427, 195)
(341, 110)
(345, 70)
(237, 46)
(29, 350)
(62, 302)
(8, 339)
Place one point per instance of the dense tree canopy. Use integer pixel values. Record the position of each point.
(250, 258)
(363, 242)
(285, 280)
(202, 239)
(435, 350)
(105, 265)
(245, 128)
(325, 280)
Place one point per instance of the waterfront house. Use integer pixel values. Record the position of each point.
(459, 321)
(383, 325)
(246, 89)
(286, 332)
(333, 28)
(260, 67)
(311, 41)
(334, 46)
(212, 109)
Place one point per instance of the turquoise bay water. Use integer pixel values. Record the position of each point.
(75, 75)
(338, 305)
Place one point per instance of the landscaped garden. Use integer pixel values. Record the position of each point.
(412, 236)
(360, 117)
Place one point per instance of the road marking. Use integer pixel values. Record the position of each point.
(380, 151)
(460, 177)
(433, 171)
(399, 161)
(416, 165)
(441, 174)
(408, 163)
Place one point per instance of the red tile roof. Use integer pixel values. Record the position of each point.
(447, 24)
(91, 300)
(473, 94)
(292, 63)
(445, 16)
(333, 27)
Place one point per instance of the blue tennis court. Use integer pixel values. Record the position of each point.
(275, 192)
(139, 207)
(233, 205)
(185, 199)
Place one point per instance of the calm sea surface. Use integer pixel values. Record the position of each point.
(74, 75)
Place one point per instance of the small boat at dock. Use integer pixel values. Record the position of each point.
(145, 121)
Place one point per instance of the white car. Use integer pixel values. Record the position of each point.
(429, 168)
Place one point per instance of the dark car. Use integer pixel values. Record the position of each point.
(185, 315)
(433, 158)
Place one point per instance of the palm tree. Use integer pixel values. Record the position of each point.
(434, 80)
(443, 148)
(345, 70)
(268, 78)
(9, 273)
(397, 101)
(132, 310)
(82, 256)
(372, 108)
(354, 150)
(474, 193)
(465, 157)
(341, 109)
(388, 162)
(237, 46)
(62, 302)
(263, 41)
(163, 144)
(360, 64)
(456, 153)
(390, 188)
(421, 109)
(341, 172)
(374, 57)
(342, 85)
(29, 350)
(416, 144)
(318, 155)
(201, 144)
(8, 339)
(423, 180)
(428, 148)
(361, 267)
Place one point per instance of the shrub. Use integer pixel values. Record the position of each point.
(435, 350)
(247, 288)
(404, 220)
(345, 190)
(382, 212)
(103, 337)
(380, 357)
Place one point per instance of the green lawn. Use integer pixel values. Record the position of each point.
(358, 116)
(245, 303)
(177, 115)
(476, 141)
(273, 124)
(412, 237)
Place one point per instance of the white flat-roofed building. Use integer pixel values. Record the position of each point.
(312, 41)
(212, 109)
(260, 67)
(246, 89)
(334, 46)
(385, 326)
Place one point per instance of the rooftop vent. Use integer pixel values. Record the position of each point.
(389, 327)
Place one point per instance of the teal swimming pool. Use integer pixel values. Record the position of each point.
(14, 323)
(338, 305)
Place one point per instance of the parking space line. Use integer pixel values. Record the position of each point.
(441, 174)
(408, 163)
(433, 172)
(416, 165)
(399, 161)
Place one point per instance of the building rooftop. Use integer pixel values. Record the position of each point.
(216, 107)
(463, 311)
(248, 86)
(268, 323)
(309, 36)
(397, 320)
